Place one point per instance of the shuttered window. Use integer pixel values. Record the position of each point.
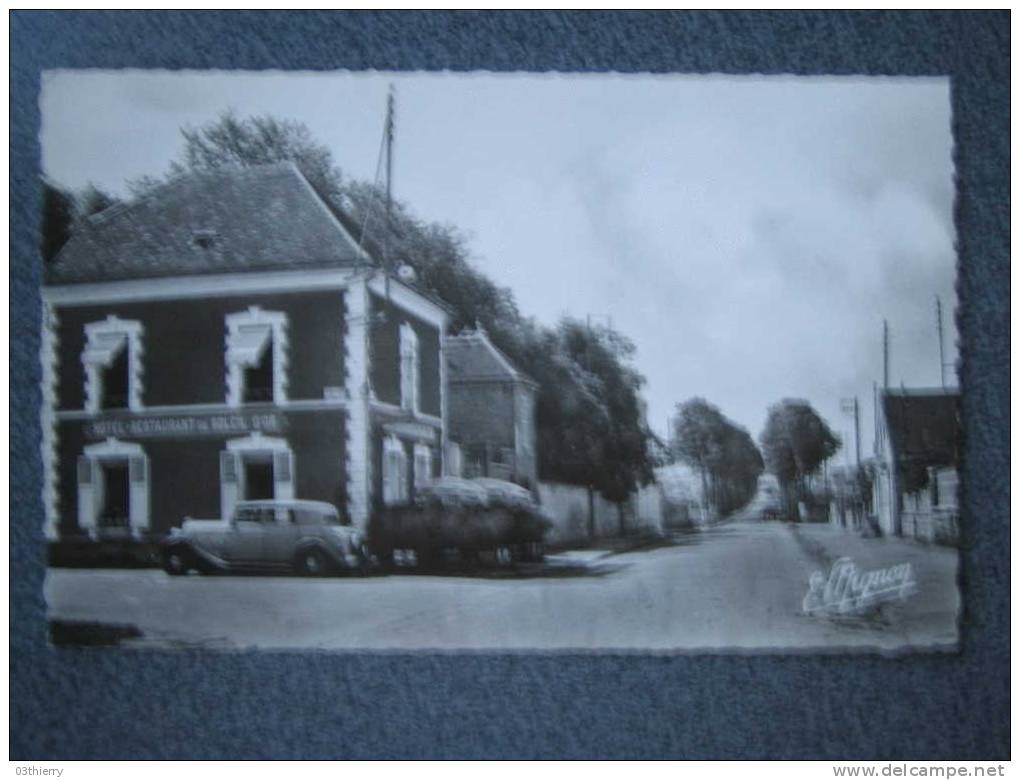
(394, 472)
(410, 368)
(281, 466)
(228, 467)
(84, 470)
(138, 467)
(422, 465)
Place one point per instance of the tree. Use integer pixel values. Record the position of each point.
(697, 437)
(723, 453)
(742, 465)
(63, 212)
(590, 414)
(795, 442)
(57, 218)
(258, 140)
(92, 200)
(602, 412)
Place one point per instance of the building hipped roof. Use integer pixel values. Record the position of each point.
(261, 218)
(472, 357)
(924, 426)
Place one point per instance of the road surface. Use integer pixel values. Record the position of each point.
(734, 586)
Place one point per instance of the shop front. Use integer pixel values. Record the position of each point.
(138, 475)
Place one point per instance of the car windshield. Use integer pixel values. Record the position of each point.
(254, 514)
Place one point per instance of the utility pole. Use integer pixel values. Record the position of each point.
(874, 408)
(390, 117)
(857, 431)
(885, 354)
(851, 408)
(942, 356)
(388, 141)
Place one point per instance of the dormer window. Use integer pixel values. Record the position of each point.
(256, 356)
(410, 368)
(112, 359)
(205, 239)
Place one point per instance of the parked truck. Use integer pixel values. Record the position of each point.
(468, 518)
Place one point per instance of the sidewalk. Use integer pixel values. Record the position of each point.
(937, 601)
(604, 547)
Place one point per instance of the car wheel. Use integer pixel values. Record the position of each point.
(312, 562)
(176, 561)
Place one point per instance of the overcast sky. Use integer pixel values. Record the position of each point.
(749, 234)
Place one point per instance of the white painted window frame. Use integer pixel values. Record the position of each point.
(132, 330)
(91, 491)
(279, 343)
(410, 368)
(232, 482)
(49, 359)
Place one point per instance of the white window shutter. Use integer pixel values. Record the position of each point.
(228, 467)
(281, 466)
(387, 477)
(84, 470)
(136, 468)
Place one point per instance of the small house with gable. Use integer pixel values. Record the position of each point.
(491, 411)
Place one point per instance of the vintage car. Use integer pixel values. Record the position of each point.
(471, 517)
(309, 537)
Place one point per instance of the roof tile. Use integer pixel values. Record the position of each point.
(261, 218)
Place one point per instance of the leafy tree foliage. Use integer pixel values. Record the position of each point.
(57, 218)
(258, 140)
(795, 442)
(590, 414)
(724, 453)
(92, 200)
(63, 210)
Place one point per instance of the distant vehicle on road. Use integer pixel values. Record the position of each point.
(469, 516)
(770, 505)
(309, 537)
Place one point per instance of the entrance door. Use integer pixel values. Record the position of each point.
(259, 480)
(116, 509)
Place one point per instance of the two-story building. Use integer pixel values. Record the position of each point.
(491, 411)
(225, 338)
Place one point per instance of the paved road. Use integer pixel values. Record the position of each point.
(737, 585)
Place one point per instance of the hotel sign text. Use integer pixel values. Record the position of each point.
(182, 426)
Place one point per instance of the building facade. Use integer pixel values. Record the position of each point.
(917, 456)
(225, 338)
(491, 411)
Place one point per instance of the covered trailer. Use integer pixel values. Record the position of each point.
(468, 517)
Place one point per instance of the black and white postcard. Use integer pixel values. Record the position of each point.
(406, 361)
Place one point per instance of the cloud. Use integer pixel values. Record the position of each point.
(748, 234)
